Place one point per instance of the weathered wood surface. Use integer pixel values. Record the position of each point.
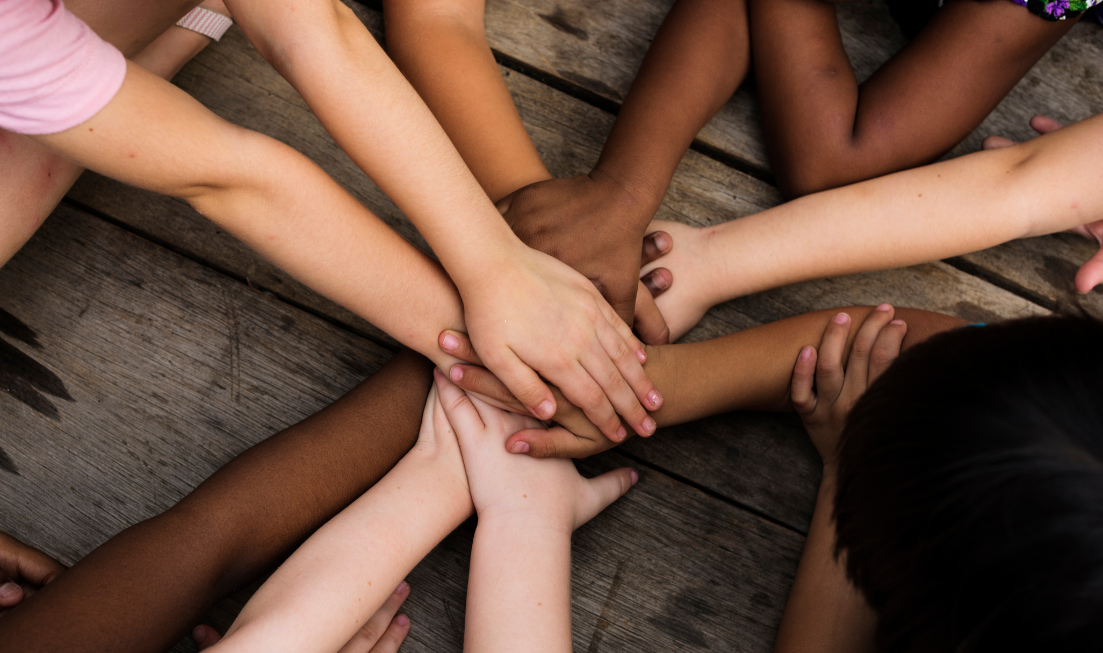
(233, 80)
(168, 369)
(599, 46)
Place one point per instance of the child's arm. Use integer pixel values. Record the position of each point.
(340, 576)
(746, 370)
(519, 591)
(148, 586)
(924, 214)
(824, 130)
(513, 296)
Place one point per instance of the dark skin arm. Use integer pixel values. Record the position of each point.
(596, 222)
(146, 587)
(824, 130)
(746, 370)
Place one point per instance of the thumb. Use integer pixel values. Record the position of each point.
(555, 442)
(1091, 273)
(604, 490)
(650, 325)
(10, 591)
(205, 637)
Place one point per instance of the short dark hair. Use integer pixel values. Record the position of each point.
(970, 491)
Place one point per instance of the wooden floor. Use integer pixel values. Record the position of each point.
(143, 348)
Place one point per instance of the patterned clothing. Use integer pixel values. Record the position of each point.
(1057, 9)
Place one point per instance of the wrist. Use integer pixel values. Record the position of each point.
(526, 523)
(629, 189)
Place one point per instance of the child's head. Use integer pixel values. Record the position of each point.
(970, 496)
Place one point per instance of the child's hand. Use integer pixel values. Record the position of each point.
(840, 380)
(593, 225)
(382, 633)
(504, 484)
(23, 570)
(575, 437)
(536, 315)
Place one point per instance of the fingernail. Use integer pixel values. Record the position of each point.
(456, 373)
(648, 425)
(621, 434)
(660, 281)
(841, 318)
(806, 353)
(520, 447)
(897, 322)
(635, 477)
(402, 588)
(199, 634)
(402, 620)
(663, 241)
(641, 355)
(884, 307)
(450, 342)
(655, 398)
(546, 410)
(9, 591)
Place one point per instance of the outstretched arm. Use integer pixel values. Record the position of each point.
(340, 576)
(746, 370)
(925, 214)
(146, 587)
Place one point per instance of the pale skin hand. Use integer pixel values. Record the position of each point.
(1090, 274)
(23, 570)
(825, 613)
(529, 315)
(520, 559)
(924, 214)
(333, 584)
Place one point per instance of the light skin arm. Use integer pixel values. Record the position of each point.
(149, 585)
(746, 370)
(521, 556)
(340, 576)
(930, 213)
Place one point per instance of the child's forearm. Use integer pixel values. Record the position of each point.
(148, 586)
(752, 369)
(340, 576)
(378, 119)
(519, 587)
(825, 613)
(698, 58)
(924, 214)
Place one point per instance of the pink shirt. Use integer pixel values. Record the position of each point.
(55, 72)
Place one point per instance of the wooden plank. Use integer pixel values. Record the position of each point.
(233, 80)
(170, 369)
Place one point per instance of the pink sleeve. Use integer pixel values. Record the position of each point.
(55, 72)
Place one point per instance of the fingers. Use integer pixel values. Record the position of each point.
(383, 632)
(887, 348)
(524, 384)
(650, 324)
(829, 364)
(481, 381)
(996, 143)
(657, 282)
(1044, 124)
(857, 366)
(625, 383)
(10, 591)
(804, 374)
(456, 343)
(556, 442)
(655, 245)
(22, 564)
(1090, 274)
(604, 490)
(205, 637)
(461, 413)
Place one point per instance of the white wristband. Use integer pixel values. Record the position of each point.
(207, 22)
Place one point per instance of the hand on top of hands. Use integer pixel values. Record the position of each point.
(503, 484)
(23, 571)
(840, 380)
(593, 225)
(1090, 274)
(574, 437)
